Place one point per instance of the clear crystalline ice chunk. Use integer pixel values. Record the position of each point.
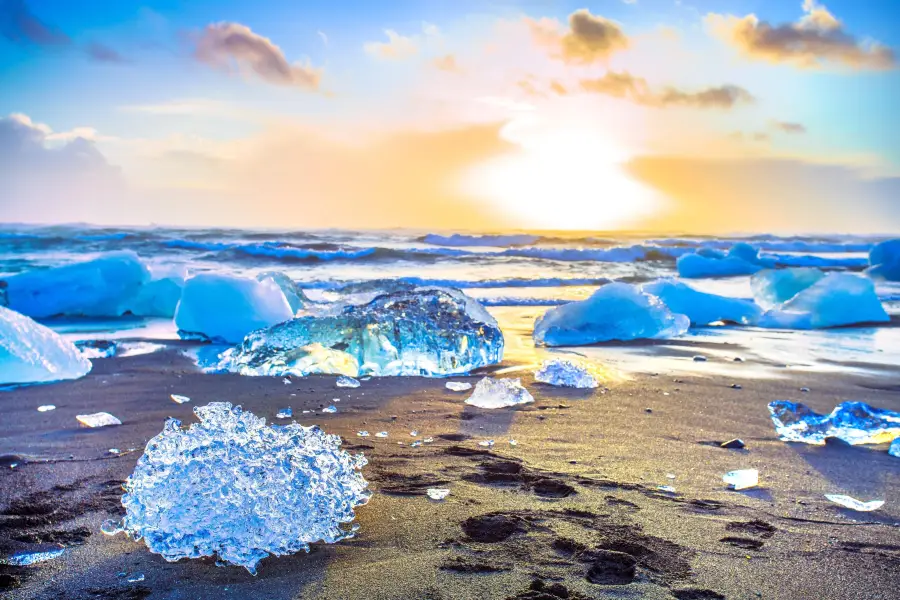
(285, 413)
(234, 487)
(100, 419)
(742, 480)
(347, 382)
(851, 422)
(179, 399)
(458, 386)
(772, 287)
(437, 493)
(566, 373)
(429, 331)
(31, 352)
(854, 504)
(111, 526)
(23, 559)
(499, 393)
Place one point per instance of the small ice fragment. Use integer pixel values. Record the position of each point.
(894, 450)
(381, 434)
(135, 578)
(111, 526)
(416, 444)
(670, 475)
(566, 373)
(854, 504)
(458, 386)
(179, 399)
(23, 559)
(437, 493)
(486, 443)
(499, 393)
(113, 450)
(851, 422)
(699, 358)
(285, 413)
(742, 480)
(513, 443)
(330, 409)
(100, 419)
(428, 440)
(286, 381)
(362, 433)
(46, 407)
(306, 412)
(414, 433)
(666, 488)
(804, 390)
(734, 444)
(346, 382)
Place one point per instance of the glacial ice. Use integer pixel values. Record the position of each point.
(835, 300)
(285, 413)
(851, 422)
(437, 494)
(46, 407)
(458, 386)
(772, 287)
(100, 419)
(233, 487)
(894, 450)
(617, 311)
(226, 307)
(566, 373)
(32, 353)
(25, 558)
(159, 296)
(885, 260)
(428, 331)
(179, 399)
(741, 259)
(91, 349)
(294, 295)
(854, 504)
(702, 308)
(499, 393)
(742, 479)
(346, 382)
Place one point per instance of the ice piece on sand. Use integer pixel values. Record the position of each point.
(741, 480)
(135, 578)
(458, 386)
(346, 382)
(499, 393)
(735, 444)
(851, 422)
(179, 399)
(255, 496)
(702, 308)
(362, 433)
(429, 331)
(742, 259)
(381, 434)
(295, 297)
(437, 493)
(885, 260)
(285, 413)
(668, 489)
(32, 353)
(854, 504)
(226, 308)
(894, 450)
(772, 287)
(91, 349)
(414, 433)
(101, 287)
(617, 311)
(486, 443)
(835, 300)
(111, 526)
(566, 373)
(100, 419)
(23, 559)
(46, 407)
(330, 409)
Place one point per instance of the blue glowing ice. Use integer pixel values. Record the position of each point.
(566, 373)
(772, 287)
(30, 352)
(293, 294)
(702, 308)
(885, 260)
(852, 422)
(834, 300)
(742, 259)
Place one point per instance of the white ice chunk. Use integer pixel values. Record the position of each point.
(772, 287)
(742, 480)
(835, 300)
(854, 504)
(330, 409)
(179, 399)
(700, 307)
(458, 386)
(226, 307)
(499, 393)
(851, 422)
(100, 419)
(437, 494)
(617, 311)
(46, 407)
(381, 434)
(32, 353)
(346, 382)
(566, 373)
(294, 295)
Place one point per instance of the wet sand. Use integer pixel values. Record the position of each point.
(571, 511)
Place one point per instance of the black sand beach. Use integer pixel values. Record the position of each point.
(571, 511)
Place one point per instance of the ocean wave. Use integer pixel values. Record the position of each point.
(512, 282)
(515, 301)
(824, 262)
(458, 239)
(766, 243)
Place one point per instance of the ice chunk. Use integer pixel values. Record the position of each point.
(46, 407)
(414, 433)
(429, 331)
(566, 373)
(835, 300)
(91, 349)
(23, 559)
(742, 259)
(294, 295)
(742, 480)
(362, 433)
(179, 399)
(885, 260)
(158, 297)
(135, 578)
(437, 493)
(499, 393)
(233, 487)
(772, 287)
(668, 489)
(101, 287)
(458, 386)
(111, 526)
(852, 422)
(330, 409)
(486, 443)
(854, 504)
(617, 311)
(702, 308)
(32, 353)
(346, 382)
(381, 434)
(100, 419)
(226, 308)
(285, 413)
(894, 450)
(735, 444)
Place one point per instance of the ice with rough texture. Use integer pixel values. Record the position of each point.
(179, 399)
(92, 349)
(854, 504)
(346, 382)
(294, 295)
(851, 422)
(772, 287)
(437, 494)
(234, 487)
(742, 479)
(499, 393)
(23, 559)
(285, 413)
(835, 300)
(458, 386)
(702, 308)
(100, 419)
(330, 409)
(894, 450)
(429, 331)
(32, 353)
(566, 373)
(741, 259)
(617, 311)
(885, 260)
(226, 307)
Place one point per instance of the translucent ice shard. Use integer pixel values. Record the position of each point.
(428, 331)
(111, 526)
(772, 287)
(854, 504)
(742, 480)
(702, 308)
(23, 559)
(234, 487)
(100, 419)
(852, 422)
(179, 399)
(499, 393)
(894, 450)
(293, 294)
(437, 493)
(458, 386)
(617, 311)
(566, 373)
(30, 352)
(346, 382)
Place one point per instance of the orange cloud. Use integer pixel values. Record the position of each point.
(627, 86)
(397, 46)
(589, 39)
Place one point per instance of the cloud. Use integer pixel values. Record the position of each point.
(324, 37)
(102, 53)
(396, 47)
(558, 88)
(589, 38)
(816, 39)
(627, 86)
(788, 127)
(232, 45)
(446, 63)
(20, 26)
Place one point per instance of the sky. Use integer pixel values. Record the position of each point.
(696, 116)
